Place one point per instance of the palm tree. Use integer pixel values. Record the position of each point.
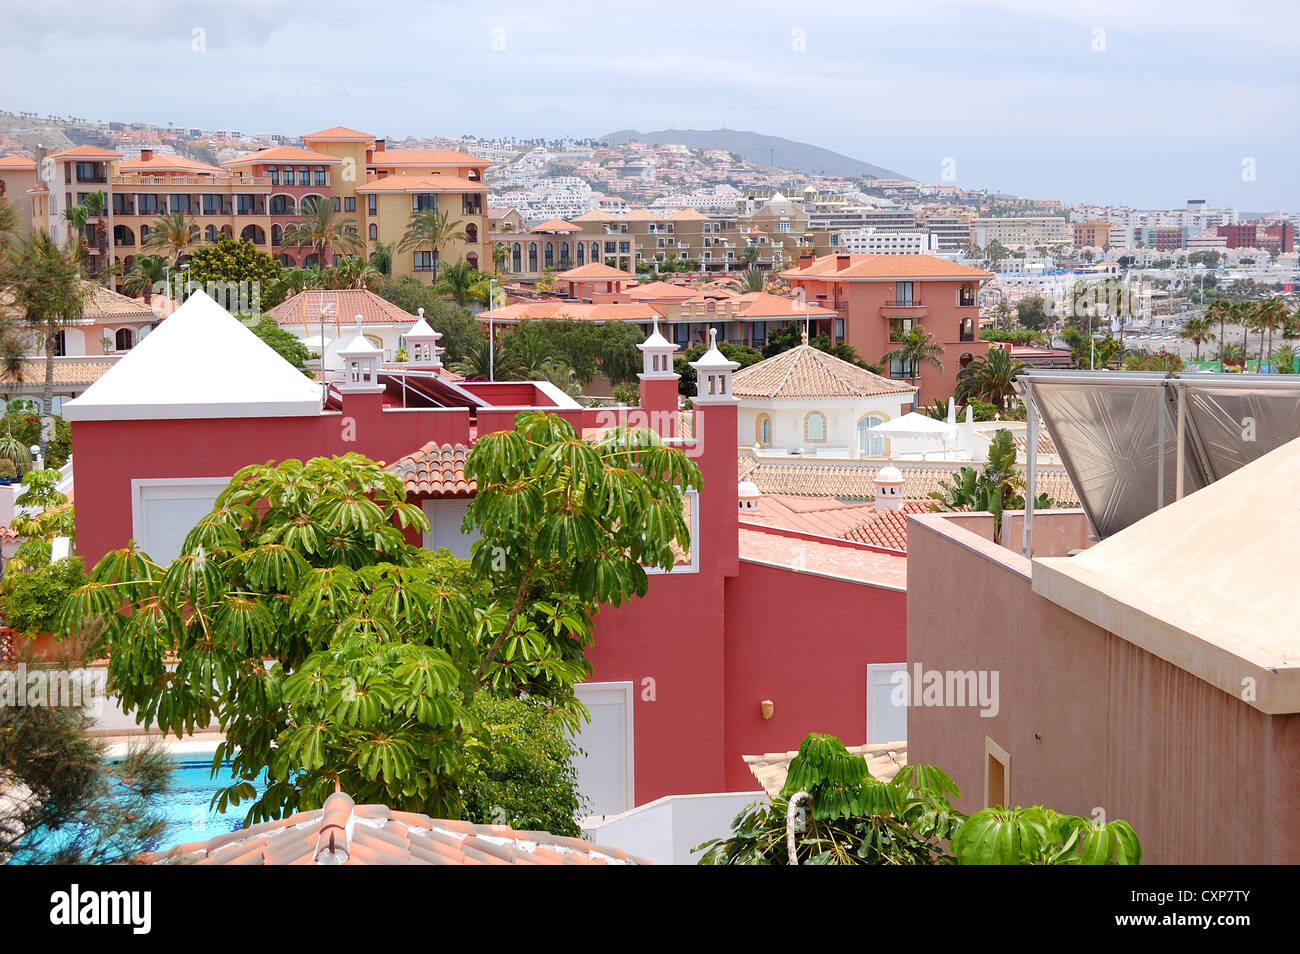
(474, 366)
(77, 216)
(500, 255)
(351, 273)
(750, 254)
(1284, 359)
(44, 282)
(751, 279)
(915, 348)
(1242, 313)
(1197, 330)
(174, 235)
(1221, 312)
(147, 273)
(382, 258)
(320, 228)
(97, 205)
(9, 220)
(1271, 313)
(456, 280)
(431, 229)
(988, 378)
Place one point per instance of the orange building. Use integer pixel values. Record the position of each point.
(875, 297)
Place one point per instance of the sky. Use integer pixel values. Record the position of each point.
(1146, 104)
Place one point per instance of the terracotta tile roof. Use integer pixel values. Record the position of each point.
(573, 311)
(303, 310)
(884, 759)
(338, 132)
(429, 183)
(852, 480)
(688, 215)
(595, 215)
(168, 164)
(18, 162)
(596, 270)
(435, 470)
(661, 290)
(425, 157)
(823, 557)
(760, 305)
(103, 304)
(555, 225)
(86, 152)
(283, 154)
(807, 372)
(887, 528)
(1046, 446)
(500, 212)
(68, 373)
(885, 267)
(820, 516)
(343, 832)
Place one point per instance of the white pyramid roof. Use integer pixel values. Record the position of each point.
(713, 359)
(200, 362)
(421, 329)
(656, 340)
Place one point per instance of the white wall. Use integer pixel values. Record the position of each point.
(445, 516)
(665, 830)
(842, 416)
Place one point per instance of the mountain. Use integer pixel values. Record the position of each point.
(768, 150)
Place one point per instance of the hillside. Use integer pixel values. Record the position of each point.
(756, 147)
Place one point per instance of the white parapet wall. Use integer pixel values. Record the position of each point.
(667, 829)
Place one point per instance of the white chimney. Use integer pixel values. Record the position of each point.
(889, 488)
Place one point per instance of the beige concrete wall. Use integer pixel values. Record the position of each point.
(1089, 720)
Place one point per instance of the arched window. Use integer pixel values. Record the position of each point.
(564, 253)
(144, 233)
(276, 233)
(582, 253)
(124, 340)
(320, 175)
(814, 427)
(763, 430)
(254, 234)
(532, 256)
(595, 251)
(210, 233)
(304, 176)
(471, 233)
(288, 175)
(374, 231)
(471, 259)
(873, 445)
(275, 175)
(550, 255)
(516, 259)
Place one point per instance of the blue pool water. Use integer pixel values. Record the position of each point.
(188, 817)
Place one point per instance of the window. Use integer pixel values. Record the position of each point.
(320, 175)
(516, 258)
(886, 713)
(338, 204)
(582, 254)
(374, 231)
(288, 175)
(814, 427)
(549, 256)
(758, 333)
(180, 203)
(212, 205)
(763, 430)
(349, 204)
(280, 205)
(304, 176)
(60, 344)
(595, 251)
(276, 233)
(210, 233)
(164, 510)
(903, 293)
(967, 330)
(532, 256)
(839, 330)
(147, 204)
(372, 204)
(275, 175)
(609, 248)
(425, 262)
(997, 774)
(873, 445)
(124, 340)
(424, 202)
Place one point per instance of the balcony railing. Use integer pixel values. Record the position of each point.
(905, 303)
(209, 181)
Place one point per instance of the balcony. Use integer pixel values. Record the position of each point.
(905, 309)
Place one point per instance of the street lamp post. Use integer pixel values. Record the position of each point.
(492, 341)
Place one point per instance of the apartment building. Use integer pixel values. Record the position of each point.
(1239, 236)
(875, 297)
(874, 242)
(1092, 233)
(641, 236)
(258, 195)
(1021, 231)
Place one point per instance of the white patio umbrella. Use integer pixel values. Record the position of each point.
(917, 427)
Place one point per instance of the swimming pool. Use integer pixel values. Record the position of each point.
(185, 807)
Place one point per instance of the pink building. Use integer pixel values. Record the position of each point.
(681, 676)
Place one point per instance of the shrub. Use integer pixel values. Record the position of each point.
(8, 470)
(30, 600)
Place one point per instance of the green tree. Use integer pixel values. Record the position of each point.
(382, 258)
(42, 513)
(322, 228)
(990, 378)
(1284, 359)
(147, 272)
(351, 272)
(43, 280)
(998, 487)
(378, 647)
(1040, 836)
(1031, 312)
(741, 354)
(284, 343)
(1197, 330)
(173, 235)
(525, 776)
(1271, 314)
(228, 260)
(1221, 312)
(457, 279)
(431, 229)
(752, 278)
(461, 332)
(912, 349)
(77, 216)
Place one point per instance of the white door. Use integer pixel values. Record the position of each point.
(605, 766)
(164, 511)
(886, 722)
(445, 516)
